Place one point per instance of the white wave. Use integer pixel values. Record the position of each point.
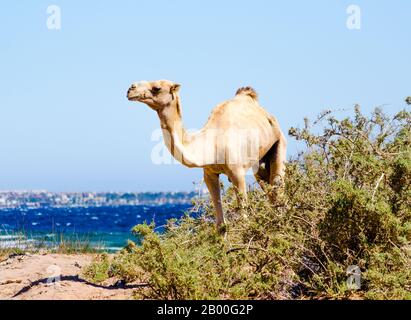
(17, 244)
(112, 248)
(11, 237)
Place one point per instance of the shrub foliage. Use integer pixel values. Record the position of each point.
(346, 201)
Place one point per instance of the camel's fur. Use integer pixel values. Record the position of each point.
(218, 148)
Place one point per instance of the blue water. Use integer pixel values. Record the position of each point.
(107, 227)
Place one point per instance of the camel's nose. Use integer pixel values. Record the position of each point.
(132, 87)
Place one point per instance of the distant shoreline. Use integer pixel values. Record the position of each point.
(104, 226)
(45, 199)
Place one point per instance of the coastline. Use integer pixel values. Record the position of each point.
(104, 228)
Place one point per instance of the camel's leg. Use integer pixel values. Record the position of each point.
(272, 167)
(237, 177)
(212, 182)
(277, 162)
(262, 176)
(263, 171)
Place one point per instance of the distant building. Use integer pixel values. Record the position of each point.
(41, 198)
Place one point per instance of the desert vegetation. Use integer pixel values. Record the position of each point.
(59, 244)
(346, 201)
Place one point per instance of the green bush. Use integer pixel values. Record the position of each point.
(99, 270)
(346, 201)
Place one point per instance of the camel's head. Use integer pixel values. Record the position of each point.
(156, 94)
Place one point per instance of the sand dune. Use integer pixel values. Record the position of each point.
(56, 277)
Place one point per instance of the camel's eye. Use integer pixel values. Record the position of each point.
(155, 90)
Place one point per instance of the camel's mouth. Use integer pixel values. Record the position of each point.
(139, 97)
(134, 95)
(136, 98)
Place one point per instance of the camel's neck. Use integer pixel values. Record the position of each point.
(175, 136)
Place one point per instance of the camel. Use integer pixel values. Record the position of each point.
(238, 135)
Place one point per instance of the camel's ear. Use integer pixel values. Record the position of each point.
(175, 87)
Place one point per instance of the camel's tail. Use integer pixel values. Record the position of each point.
(248, 91)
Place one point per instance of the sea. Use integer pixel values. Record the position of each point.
(105, 228)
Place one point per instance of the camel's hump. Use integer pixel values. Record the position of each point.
(249, 91)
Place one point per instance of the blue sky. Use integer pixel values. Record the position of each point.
(65, 124)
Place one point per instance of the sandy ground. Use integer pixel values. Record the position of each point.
(56, 277)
